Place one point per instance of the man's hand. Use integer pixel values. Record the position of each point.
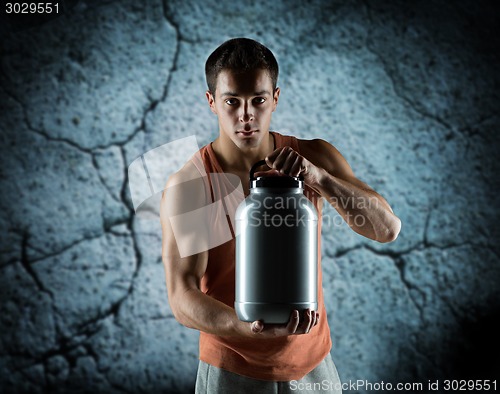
(326, 171)
(294, 327)
(286, 161)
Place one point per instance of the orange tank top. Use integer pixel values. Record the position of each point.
(277, 359)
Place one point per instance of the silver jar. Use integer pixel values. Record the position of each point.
(276, 250)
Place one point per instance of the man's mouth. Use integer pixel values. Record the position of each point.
(246, 133)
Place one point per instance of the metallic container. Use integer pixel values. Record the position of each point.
(276, 250)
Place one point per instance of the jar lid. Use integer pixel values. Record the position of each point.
(274, 181)
(277, 181)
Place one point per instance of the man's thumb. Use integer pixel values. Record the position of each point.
(257, 326)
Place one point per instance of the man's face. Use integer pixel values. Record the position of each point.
(244, 103)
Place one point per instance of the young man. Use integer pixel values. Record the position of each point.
(237, 356)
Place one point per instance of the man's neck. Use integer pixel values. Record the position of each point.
(234, 159)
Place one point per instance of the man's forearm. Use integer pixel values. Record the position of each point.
(365, 211)
(204, 313)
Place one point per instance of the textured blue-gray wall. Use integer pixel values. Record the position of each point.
(407, 91)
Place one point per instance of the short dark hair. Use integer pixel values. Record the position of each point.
(240, 55)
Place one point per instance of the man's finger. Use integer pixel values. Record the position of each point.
(267, 173)
(289, 162)
(314, 319)
(273, 155)
(293, 324)
(296, 168)
(308, 320)
(277, 163)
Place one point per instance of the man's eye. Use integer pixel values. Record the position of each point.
(259, 100)
(231, 101)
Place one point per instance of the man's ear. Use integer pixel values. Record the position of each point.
(211, 101)
(275, 98)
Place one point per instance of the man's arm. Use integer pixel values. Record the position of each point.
(326, 170)
(190, 306)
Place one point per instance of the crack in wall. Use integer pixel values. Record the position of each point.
(468, 130)
(66, 343)
(396, 257)
(169, 17)
(395, 86)
(65, 346)
(154, 103)
(44, 134)
(399, 264)
(101, 179)
(29, 269)
(123, 191)
(142, 127)
(26, 245)
(425, 240)
(138, 261)
(28, 124)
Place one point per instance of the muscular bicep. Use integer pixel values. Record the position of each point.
(181, 272)
(184, 231)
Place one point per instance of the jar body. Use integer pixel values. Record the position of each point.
(276, 255)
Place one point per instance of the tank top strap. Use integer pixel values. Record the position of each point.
(203, 166)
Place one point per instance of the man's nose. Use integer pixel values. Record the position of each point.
(246, 114)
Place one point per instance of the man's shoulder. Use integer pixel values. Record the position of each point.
(307, 144)
(193, 169)
(310, 142)
(321, 153)
(185, 189)
(315, 146)
(188, 171)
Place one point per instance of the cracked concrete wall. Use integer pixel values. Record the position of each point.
(407, 92)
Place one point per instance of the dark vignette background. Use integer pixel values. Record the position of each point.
(407, 91)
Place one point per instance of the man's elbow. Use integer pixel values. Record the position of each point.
(182, 320)
(178, 315)
(391, 232)
(177, 308)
